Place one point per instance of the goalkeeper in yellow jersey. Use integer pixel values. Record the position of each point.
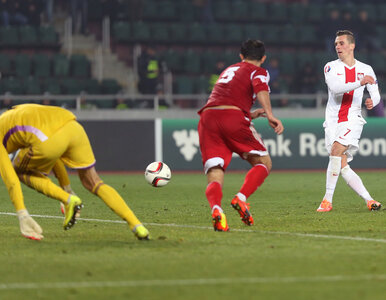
(46, 137)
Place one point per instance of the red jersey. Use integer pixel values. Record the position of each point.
(238, 85)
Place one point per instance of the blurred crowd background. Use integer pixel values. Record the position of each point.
(182, 43)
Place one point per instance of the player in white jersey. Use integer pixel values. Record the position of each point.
(346, 79)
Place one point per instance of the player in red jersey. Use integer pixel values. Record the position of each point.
(225, 127)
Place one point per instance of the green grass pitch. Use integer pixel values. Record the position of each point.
(292, 252)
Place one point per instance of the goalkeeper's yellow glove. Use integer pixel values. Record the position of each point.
(28, 227)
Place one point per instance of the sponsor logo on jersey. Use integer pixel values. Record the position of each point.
(360, 76)
(327, 69)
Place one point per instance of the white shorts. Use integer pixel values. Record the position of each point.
(345, 133)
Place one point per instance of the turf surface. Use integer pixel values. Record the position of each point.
(292, 252)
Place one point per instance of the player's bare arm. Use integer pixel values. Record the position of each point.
(257, 113)
(276, 125)
(265, 102)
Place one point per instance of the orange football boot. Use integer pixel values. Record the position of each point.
(325, 206)
(243, 210)
(219, 221)
(373, 205)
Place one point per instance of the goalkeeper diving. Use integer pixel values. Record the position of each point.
(48, 139)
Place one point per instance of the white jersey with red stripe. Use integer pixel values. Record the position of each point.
(345, 93)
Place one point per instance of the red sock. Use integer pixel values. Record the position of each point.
(254, 178)
(214, 193)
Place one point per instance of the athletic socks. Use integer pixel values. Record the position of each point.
(254, 178)
(354, 181)
(332, 176)
(113, 200)
(61, 173)
(45, 186)
(213, 193)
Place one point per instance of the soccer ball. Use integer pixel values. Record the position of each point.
(158, 174)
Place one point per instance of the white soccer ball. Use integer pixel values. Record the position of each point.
(158, 174)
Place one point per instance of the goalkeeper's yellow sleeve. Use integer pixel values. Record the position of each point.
(11, 180)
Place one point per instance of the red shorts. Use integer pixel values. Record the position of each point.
(224, 131)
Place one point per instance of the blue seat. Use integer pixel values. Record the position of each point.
(167, 10)
(304, 57)
(160, 32)
(52, 86)
(201, 84)
(288, 64)
(32, 86)
(61, 65)
(197, 32)
(121, 31)
(215, 32)
(80, 66)
(28, 35)
(187, 12)
(71, 86)
(272, 34)
(209, 59)
(178, 32)
(277, 12)
(233, 33)
(150, 10)
(173, 60)
(47, 36)
(141, 31)
(308, 36)
(289, 35)
(315, 13)
(297, 12)
(41, 65)
(184, 85)
(5, 64)
(258, 11)
(192, 61)
(9, 36)
(22, 65)
(222, 11)
(92, 86)
(240, 10)
(110, 86)
(12, 85)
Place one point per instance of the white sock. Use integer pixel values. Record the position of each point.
(354, 181)
(241, 197)
(217, 207)
(332, 176)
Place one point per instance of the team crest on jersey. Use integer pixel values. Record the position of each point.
(327, 69)
(360, 76)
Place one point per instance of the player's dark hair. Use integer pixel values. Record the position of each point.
(350, 35)
(253, 49)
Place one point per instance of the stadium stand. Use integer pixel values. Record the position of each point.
(295, 26)
(190, 38)
(32, 60)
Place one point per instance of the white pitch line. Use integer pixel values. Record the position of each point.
(187, 282)
(312, 235)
